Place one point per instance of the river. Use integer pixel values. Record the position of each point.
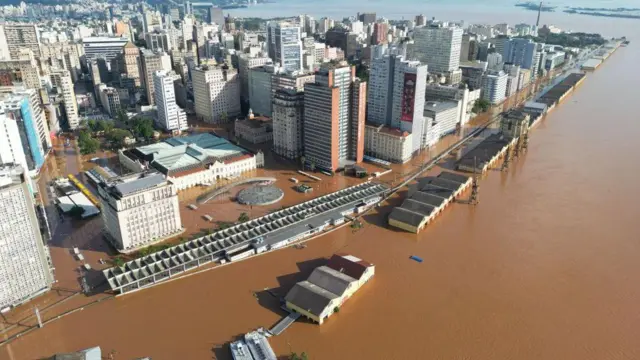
(545, 267)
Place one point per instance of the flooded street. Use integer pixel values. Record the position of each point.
(545, 267)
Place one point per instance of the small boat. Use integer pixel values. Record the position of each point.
(415, 258)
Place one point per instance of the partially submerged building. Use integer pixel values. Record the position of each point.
(192, 160)
(240, 241)
(253, 346)
(329, 286)
(431, 196)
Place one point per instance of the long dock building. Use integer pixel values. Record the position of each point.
(433, 194)
(262, 234)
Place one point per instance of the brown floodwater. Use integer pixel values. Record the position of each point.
(545, 267)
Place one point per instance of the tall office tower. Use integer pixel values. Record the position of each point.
(467, 47)
(110, 100)
(380, 32)
(158, 41)
(33, 97)
(334, 115)
(61, 79)
(285, 45)
(4, 47)
(287, 116)
(130, 62)
(245, 63)
(152, 61)
(21, 36)
(421, 20)
(367, 18)
(25, 267)
(438, 47)
(520, 52)
(62, 55)
(21, 141)
(343, 39)
(216, 93)
(494, 87)
(170, 116)
(494, 61)
(139, 209)
(500, 42)
(396, 95)
(216, 16)
(108, 47)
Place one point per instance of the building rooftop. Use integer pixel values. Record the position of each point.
(179, 153)
(389, 131)
(440, 182)
(461, 179)
(417, 207)
(439, 106)
(330, 279)
(11, 175)
(484, 151)
(130, 184)
(427, 198)
(406, 216)
(273, 229)
(310, 297)
(349, 264)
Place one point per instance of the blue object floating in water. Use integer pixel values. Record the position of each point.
(418, 259)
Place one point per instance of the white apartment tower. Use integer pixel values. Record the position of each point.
(396, 95)
(287, 116)
(438, 47)
(170, 116)
(284, 42)
(216, 91)
(61, 79)
(139, 209)
(25, 263)
(494, 87)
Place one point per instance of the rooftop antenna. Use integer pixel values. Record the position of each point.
(539, 11)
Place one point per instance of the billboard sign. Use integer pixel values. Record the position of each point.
(408, 97)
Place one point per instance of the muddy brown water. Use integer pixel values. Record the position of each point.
(545, 267)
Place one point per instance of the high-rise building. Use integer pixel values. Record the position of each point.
(25, 267)
(170, 116)
(438, 47)
(494, 87)
(520, 52)
(152, 61)
(287, 116)
(284, 43)
(216, 93)
(396, 95)
(380, 32)
(494, 61)
(21, 36)
(245, 63)
(108, 47)
(388, 144)
(468, 48)
(158, 41)
(343, 39)
(334, 117)
(139, 209)
(129, 62)
(421, 20)
(216, 16)
(367, 18)
(110, 100)
(32, 131)
(61, 79)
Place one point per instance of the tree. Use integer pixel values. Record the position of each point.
(122, 117)
(312, 166)
(243, 217)
(76, 211)
(118, 261)
(87, 143)
(92, 124)
(295, 356)
(302, 160)
(143, 128)
(481, 105)
(336, 309)
(116, 137)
